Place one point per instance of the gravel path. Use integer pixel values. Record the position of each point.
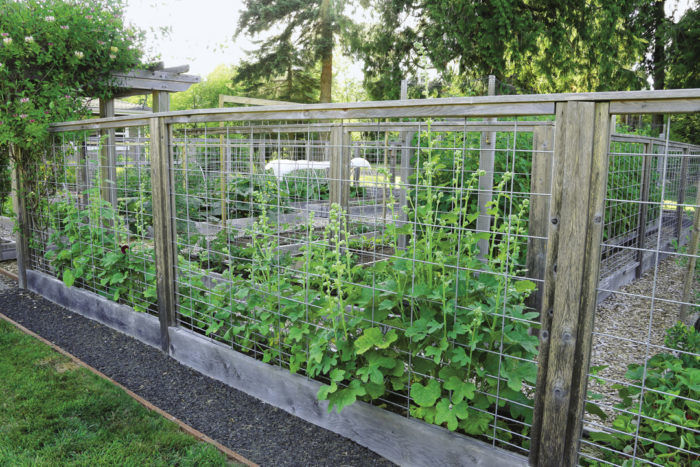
(625, 323)
(258, 431)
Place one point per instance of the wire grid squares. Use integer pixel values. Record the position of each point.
(347, 252)
(642, 405)
(91, 224)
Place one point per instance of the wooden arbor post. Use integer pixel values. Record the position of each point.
(18, 204)
(108, 159)
(571, 278)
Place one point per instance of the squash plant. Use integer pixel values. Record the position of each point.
(90, 246)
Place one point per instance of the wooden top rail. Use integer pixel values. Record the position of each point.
(625, 138)
(621, 102)
(379, 126)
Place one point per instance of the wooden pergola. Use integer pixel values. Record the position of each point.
(159, 82)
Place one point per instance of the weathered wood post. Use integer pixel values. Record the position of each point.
(540, 187)
(643, 207)
(108, 160)
(571, 278)
(682, 186)
(262, 158)
(163, 227)
(487, 157)
(405, 172)
(339, 172)
(82, 176)
(687, 310)
(19, 206)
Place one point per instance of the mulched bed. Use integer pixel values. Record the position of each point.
(254, 429)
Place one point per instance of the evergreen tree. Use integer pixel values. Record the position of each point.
(307, 37)
(547, 46)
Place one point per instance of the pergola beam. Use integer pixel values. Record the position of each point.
(144, 81)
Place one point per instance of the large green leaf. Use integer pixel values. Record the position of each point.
(425, 396)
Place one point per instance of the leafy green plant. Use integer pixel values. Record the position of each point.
(660, 405)
(90, 246)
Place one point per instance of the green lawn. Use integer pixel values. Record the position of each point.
(53, 412)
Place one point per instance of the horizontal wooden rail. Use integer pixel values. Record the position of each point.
(621, 102)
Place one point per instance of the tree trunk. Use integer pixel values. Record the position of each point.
(326, 51)
(290, 84)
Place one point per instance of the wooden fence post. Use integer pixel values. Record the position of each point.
(405, 175)
(540, 187)
(340, 167)
(108, 160)
(163, 227)
(20, 209)
(487, 158)
(686, 310)
(571, 278)
(643, 207)
(82, 176)
(682, 186)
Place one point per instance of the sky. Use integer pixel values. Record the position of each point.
(201, 31)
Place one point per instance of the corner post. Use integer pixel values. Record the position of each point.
(163, 227)
(571, 278)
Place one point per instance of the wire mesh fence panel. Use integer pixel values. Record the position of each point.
(642, 402)
(349, 255)
(405, 261)
(91, 223)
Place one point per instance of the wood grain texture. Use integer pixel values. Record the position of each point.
(108, 161)
(405, 172)
(643, 207)
(487, 157)
(339, 172)
(163, 228)
(668, 101)
(540, 189)
(579, 120)
(405, 441)
(19, 206)
(248, 101)
(581, 148)
(122, 318)
(682, 186)
(546, 309)
(686, 309)
(591, 272)
(656, 106)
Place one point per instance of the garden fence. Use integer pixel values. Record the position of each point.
(441, 259)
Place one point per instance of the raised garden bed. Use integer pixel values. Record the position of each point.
(402, 440)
